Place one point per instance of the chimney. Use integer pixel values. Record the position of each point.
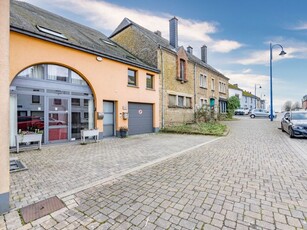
(204, 53)
(158, 32)
(190, 50)
(173, 32)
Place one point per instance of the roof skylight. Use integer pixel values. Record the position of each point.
(51, 32)
(109, 43)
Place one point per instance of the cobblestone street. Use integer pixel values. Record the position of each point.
(254, 178)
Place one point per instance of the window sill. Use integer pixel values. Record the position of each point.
(150, 89)
(133, 86)
(181, 80)
(178, 107)
(202, 87)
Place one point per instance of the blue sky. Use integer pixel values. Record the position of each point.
(237, 34)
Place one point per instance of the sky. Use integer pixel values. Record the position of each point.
(237, 33)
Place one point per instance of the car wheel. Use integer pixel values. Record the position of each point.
(252, 116)
(291, 133)
(282, 127)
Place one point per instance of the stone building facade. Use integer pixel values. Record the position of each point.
(185, 80)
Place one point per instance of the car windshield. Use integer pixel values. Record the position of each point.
(299, 116)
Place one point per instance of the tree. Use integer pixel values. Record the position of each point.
(287, 106)
(233, 103)
(296, 106)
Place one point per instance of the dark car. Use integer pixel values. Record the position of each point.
(295, 123)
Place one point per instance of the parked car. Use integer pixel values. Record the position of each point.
(261, 113)
(239, 112)
(26, 123)
(295, 123)
(246, 111)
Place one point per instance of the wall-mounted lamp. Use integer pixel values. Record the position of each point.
(99, 58)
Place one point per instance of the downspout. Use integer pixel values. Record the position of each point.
(162, 86)
(194, 91)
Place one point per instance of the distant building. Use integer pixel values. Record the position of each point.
(304, 102)
(247, 99)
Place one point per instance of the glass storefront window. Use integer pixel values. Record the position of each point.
(76, 79)
(57, 73)
(36, 72)
(61, 113)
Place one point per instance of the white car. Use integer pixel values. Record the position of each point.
(261, 113)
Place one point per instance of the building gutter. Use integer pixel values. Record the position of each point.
(162, 86)
(195, 91)
(114, 58)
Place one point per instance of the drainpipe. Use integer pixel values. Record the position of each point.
(162, 85)
(195, 91)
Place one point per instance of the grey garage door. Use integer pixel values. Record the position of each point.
(140, 118)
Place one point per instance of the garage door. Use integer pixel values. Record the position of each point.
(140, 118)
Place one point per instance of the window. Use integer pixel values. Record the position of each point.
(57, 73)
(75, 101)
(131, 77)
(149, 81)
(182, 70)
(36, 99)
(203, 102)
(188, 102)
(203, 81)
(172, 101)
(51, 32)
(237, 95)
(57, 101)
(222, 87)
(212, 84)
(180, 101)
(85, 102)
(85, 115)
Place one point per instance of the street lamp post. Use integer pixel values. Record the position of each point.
(271, 81)
(256, 94)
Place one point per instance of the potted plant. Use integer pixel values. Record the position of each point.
(123, 131)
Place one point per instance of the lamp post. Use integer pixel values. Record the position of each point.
(271, 81)
(256, 94)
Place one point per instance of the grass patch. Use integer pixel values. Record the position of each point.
(209, 128)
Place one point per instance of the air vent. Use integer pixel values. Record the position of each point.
(16, 165)
(51, 32)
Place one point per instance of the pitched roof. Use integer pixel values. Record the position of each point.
(33, 21)
(159, 40)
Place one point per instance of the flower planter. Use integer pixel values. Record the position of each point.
(26, 138)
(89, 133)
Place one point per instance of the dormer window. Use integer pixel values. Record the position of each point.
(51, 32)
(182, 70)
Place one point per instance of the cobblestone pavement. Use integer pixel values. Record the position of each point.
(255, 178)
(60, 168)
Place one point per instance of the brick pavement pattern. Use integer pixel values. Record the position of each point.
(255, 178)
(60, 168)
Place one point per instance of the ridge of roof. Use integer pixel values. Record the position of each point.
(25, 17)
(159, 40)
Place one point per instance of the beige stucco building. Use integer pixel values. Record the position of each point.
(4, 109)
(186, 82)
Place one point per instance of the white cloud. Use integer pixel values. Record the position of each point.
(300, 26)
(107, 16)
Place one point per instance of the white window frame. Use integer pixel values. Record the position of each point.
(212, 84)
(203, 80)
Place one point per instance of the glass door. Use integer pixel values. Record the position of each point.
(57, 119)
